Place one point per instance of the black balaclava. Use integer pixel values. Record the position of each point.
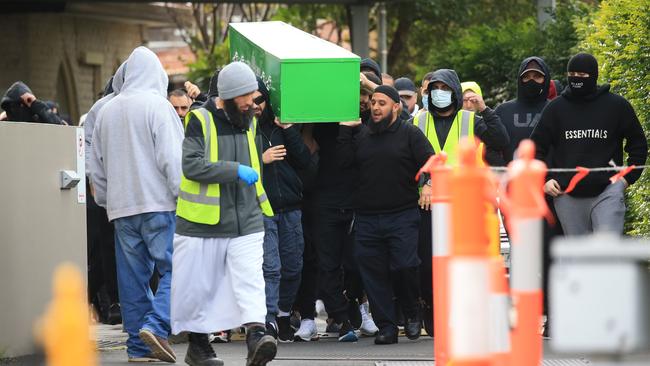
(583, 62)
(531, 89)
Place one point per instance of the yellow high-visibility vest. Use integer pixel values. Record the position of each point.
(462, 126)
(200, 202)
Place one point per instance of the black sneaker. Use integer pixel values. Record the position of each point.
(427, 318)
(332, 326)
(347, 334)
(295, 320)
(272, 330)
(261, 346)
(285, 332)
(114, 314)
(413, 328)
(200, 352)
(354, 314)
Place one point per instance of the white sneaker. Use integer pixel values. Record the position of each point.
(320, 308)
(368, 327)
(307, 331)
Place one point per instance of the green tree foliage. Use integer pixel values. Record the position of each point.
(618, 37)
(490, 54)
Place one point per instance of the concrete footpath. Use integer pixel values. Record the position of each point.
(325, 352)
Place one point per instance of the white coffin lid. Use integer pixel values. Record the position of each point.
(286, 42)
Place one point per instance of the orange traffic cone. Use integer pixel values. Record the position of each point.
(469, 287)
(526, 213)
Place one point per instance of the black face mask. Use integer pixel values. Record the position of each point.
(382, 125)
(20, 113)
(531, 89)
(582, 86)
(237, 118)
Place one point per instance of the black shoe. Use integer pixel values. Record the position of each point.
(386, 336)
(295, 320)
(346, 333)
(114, 315)
(261, 347)
(413, 328)
(354, 314)
(272, 330)
(332, 326)
(200, 352)
(427, 318)
(285, 332)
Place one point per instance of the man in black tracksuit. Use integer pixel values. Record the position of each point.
(586, 126)
(520, 116)
(388, 152)
(333, 236)
(284, 152)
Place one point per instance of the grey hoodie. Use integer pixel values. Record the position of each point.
(136, 144)
(91, 117)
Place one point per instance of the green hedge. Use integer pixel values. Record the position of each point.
(619, 37)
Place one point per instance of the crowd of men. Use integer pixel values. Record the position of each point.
(225, 217)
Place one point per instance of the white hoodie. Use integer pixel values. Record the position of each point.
(91, 117)
(136, 159)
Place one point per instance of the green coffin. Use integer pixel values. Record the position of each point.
(310, 79)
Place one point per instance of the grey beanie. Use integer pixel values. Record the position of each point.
(236, 79)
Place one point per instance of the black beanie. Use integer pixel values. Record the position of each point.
(584, 62)
(389, 91)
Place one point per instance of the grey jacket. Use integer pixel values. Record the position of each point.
(240, 211)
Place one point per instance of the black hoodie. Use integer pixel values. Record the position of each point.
(281, 181)
(18, 112)
(520, 116)
(487, 126)
(589, 131)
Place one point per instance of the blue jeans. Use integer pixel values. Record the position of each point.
(142, 241)
(283, 248)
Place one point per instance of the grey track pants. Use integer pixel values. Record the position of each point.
(605, 212)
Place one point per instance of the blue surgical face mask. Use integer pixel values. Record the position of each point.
(441, 98)
(425, 101)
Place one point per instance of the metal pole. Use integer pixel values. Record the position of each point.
(383, 49)
(360, 29)
(544, 10)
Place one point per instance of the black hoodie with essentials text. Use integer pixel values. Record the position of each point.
(588, 131)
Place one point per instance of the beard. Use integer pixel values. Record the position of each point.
(236, 117)
(382, 125)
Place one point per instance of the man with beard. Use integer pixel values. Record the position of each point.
(387, 152)
(21, 105)
(284, 153)
(218, 282)
(444, 123)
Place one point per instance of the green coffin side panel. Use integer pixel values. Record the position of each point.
(310, 79)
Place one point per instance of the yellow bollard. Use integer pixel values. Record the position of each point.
(64, 330)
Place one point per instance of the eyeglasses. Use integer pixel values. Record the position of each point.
(259, 100)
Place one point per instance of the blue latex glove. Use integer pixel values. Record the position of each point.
(247, 174)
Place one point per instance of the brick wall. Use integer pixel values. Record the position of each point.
(46, 51)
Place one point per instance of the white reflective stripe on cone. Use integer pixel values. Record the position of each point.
(499, 323)
(526, 255)
(469, 318)
(440, 227)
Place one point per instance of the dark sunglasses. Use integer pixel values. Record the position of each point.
(259, 100)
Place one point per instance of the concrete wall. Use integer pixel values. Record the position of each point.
(41, 225)
(64, 57)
